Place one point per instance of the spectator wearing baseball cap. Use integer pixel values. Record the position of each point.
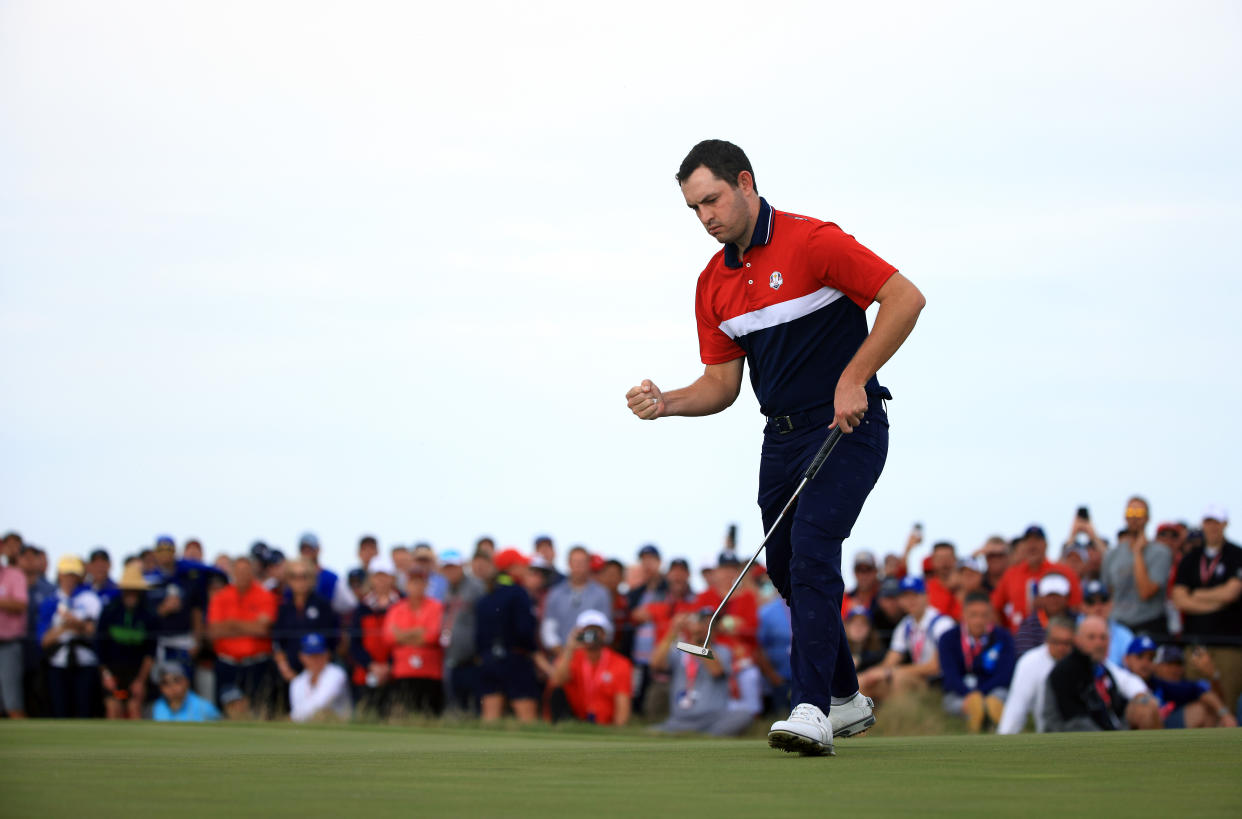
(700, 689)
(886, 610)
(1051, 600)
(326, 583)
(67, 624)
(321, 689)
(370, 653)
(866, 579)
(1088, 693)
(1208, 591)
(1029, 685)
(1014, 596)
(659, 610)
(1097, 602)
(125, 643)
(505, 640)
(1182, 704)
(98, 569)
(1136, 571)
(977, 658)
(412, 627)
(738, 623)
(460, 669)
(596, 681)
(177, 703)
(940, 581)
(912, 660)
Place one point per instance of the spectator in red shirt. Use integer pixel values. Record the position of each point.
(995, 552)
(940, 591)
(412, 627)
(1013, 598)
(369, 651)
(866, 580)
(738, 625)
(596, 680)
(239, 622)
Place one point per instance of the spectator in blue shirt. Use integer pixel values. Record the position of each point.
(179, 703)
(425, 559)
(1183, 704)
(327, 585)
(98, 569)
(1096, 601)
(977, 660)
(775, 638)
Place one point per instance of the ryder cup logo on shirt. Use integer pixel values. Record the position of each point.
(776, 280)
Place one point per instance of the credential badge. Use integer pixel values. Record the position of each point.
(775, 281)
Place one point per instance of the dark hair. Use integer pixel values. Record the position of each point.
(616, 563)
(724, 159)
(365, 539)
(582, 549)
(944, 544)
(977, 597)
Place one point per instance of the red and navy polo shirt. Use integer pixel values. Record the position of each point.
(795, 306)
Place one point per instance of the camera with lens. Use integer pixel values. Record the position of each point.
(591, 636)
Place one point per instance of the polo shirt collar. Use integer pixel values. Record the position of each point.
(761, 236)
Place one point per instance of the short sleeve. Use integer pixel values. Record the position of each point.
(714, 346)
(942, 626)
(840, 262)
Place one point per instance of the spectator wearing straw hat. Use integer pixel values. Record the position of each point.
(177, 703)
(125, 642)
(320, 689)
(67, 624)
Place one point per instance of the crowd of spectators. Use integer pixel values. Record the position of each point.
(1139, 633)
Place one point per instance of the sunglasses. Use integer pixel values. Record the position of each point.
(1135, 513)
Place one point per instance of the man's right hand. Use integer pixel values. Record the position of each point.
(646, 401)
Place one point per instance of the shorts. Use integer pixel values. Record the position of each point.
(1176, 719)
(250, 681)
(11, 695)
(124, 674)
(512, 675)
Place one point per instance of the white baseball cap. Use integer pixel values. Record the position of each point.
(1215, 511)
(1054, 584)
(382, 564)
(594, 617)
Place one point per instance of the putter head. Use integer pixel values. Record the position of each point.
(698, 651)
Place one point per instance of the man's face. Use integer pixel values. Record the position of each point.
(1213, 531)
(482, 568)
(402, 559)
(1053, 604)
(610, 576)
(1136, 516)
(367, 550)
(298, 576)
(416, 587)
(314, 663)
(678, 581)
(309, 553)
(453, 574)
(243, 572)
(651, 566)
(891, 606)
(912, 603)
(1097, 606)
(381, 584)
(969, 580)
(174, 687)
(193, 551)
(99, 569)
(722, 209)
(10, 547)
(1092, 639)
(166, 556)
(579, 566)
(1141, 664)
(1059, 642)
(943, 561)
(866, 575)
(1170, 671)
(1035, 548)
(722, 578)
(978, 618)
(546, 550)
(857, 628)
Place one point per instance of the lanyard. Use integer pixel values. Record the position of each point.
(1206, 570)
(1102, 686)
(970, 651)
(691, 668)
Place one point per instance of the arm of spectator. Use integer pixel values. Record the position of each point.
(1002, 675)
(282, 663)
(1143, 583)
(558, 675)
(310, 701)
(14, 605)
(1021, 699)
(621, 707)
(1192, 603)
(261, 627)
(1221, 595)
(928, 669)
(660, 654)
(954, 681)
(343, 599)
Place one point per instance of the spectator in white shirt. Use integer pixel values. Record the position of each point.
(321, 688)
(1026, 692)
(912, 660)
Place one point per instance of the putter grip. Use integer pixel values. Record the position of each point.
(822, 455)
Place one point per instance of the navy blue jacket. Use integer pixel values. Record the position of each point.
(506, 621)
(992, 669)
(292, 625)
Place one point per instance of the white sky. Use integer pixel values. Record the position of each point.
(390, 267)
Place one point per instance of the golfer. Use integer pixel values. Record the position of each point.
(790, 294)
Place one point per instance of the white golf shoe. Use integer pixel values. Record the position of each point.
(807, 731)
(853, 717)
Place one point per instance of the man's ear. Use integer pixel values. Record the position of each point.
(746, 181)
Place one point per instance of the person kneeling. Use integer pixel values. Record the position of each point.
(977, 659)
(321, 688)
(700, 691)
(596, 680)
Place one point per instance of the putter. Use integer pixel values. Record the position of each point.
(703, 651)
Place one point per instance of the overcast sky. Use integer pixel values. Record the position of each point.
(391, 267)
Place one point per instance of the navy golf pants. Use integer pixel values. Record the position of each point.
(804, 555)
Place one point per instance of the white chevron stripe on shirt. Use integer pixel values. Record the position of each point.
(777, 314)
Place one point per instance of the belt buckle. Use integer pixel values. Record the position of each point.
(783, 424)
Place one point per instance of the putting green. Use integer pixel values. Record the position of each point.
(101, 769)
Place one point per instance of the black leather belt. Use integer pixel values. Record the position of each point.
(816, 416)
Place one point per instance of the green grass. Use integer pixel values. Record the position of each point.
(100, 769)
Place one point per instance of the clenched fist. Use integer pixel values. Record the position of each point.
(646, 401)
